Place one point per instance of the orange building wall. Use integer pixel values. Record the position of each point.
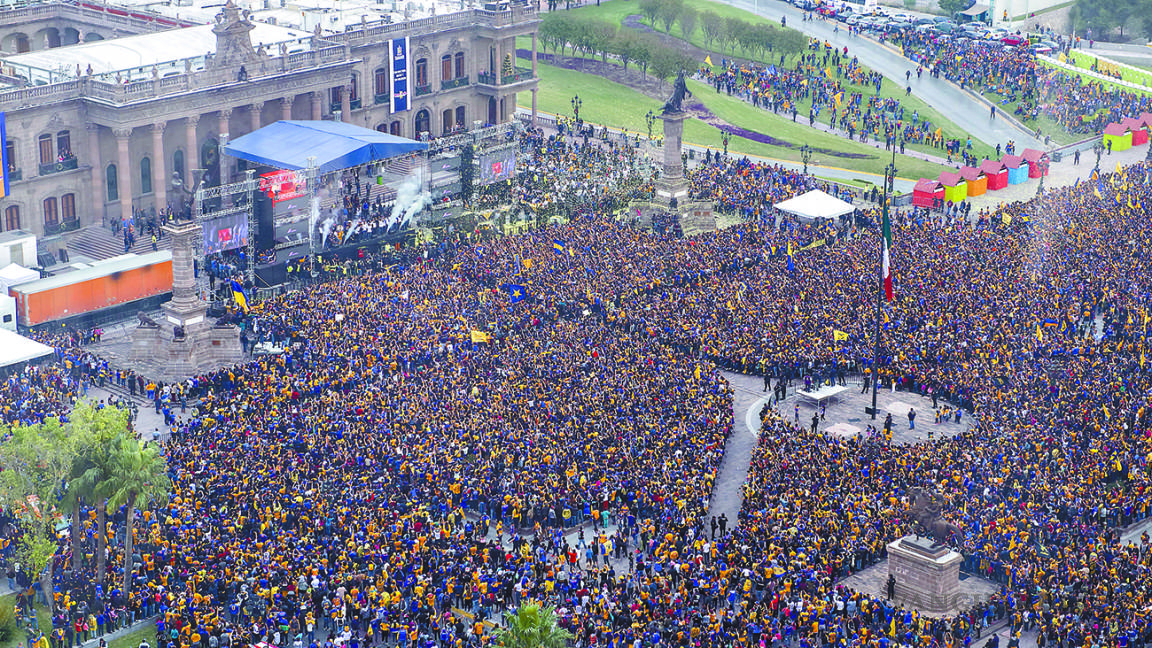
(96, 293)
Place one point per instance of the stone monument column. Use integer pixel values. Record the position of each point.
(192, 152)
(186, 304)
(673, 131)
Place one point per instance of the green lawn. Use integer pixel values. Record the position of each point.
(611, 104)
(1046, 125)
(615, 11)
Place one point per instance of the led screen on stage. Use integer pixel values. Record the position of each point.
(225, 233)
(497, 166)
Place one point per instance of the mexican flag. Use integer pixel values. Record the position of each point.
(885, 258)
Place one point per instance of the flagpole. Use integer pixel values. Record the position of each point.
(889, 180)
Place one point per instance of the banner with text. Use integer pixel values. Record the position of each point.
(398, 53)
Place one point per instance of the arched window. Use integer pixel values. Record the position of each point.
(68, 208)
(380, 85)
(446, 67)
(422, 72)
(64, 145)
(46, 155)
(394, 128)
(382, 127)
(460, 117)
(51, 215)
(460, 65)
(11, 218)
(354, 92)
(178, 164)
(111, 181)
(145, 175)
(446, 121)
(423, 122)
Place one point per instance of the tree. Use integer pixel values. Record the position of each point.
(950, 7)
(734, 29)
(93, 431)
(96, 432)
(1102, 17)
(650, 9)
(35, 461)
(532, 627)
(139, 477)
(688, 16)
(622, 46)
(713, 26)
(642, 50)
(669, 12)
(790, 41)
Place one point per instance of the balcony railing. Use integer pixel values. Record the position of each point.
(518, 75)
(57, 167)
(61, 227)
(355, 104)
(454, 83)
(384, 98)
(15, 174)
(422, 90)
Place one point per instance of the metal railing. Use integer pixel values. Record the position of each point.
(58, 167)
(383, 98)
(518, 75)
(422, 90)
(454, 83)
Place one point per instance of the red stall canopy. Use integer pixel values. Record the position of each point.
(996, 173)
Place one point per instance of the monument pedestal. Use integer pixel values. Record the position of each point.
(927, 575)
(185, 343)
(672, 187)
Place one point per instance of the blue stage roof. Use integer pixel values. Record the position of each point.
(335, 145)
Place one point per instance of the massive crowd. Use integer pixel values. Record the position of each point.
(542, 416)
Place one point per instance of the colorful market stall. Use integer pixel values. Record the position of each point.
(955, 188)
(1037, 162)
(927, 193)
(976, 180)
(996, 173)
(1139, 129)
(1017, 169)
(1117, 137)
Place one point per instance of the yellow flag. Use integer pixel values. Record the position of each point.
(527, 264)
(839, 335)
(481, 336)
(708, 60)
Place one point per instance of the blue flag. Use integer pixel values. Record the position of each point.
(791, 263)
(516, 292)
(239, 296)
(558, 245)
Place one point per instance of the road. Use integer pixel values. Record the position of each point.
(967, 112)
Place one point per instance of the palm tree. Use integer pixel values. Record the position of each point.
(139, 476)
(532, 627)
(94, 432)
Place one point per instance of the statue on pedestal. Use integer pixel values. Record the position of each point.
(679, 91)
(926, 508)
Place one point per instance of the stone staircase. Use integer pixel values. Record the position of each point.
(96, 242)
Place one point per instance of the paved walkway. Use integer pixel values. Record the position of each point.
(728, 491)
(966, 111)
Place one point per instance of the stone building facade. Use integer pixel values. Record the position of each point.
(86, 150)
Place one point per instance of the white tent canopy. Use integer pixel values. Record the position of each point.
(14, 275)
(15, 348)
(815, 204)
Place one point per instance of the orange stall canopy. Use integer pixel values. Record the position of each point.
(977, 181)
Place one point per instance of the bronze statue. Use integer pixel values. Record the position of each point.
(145, 321)
(926, 509)
(679, 91)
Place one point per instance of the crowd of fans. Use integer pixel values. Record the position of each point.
(542, 416)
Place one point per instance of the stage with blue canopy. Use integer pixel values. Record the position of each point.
(336, 145)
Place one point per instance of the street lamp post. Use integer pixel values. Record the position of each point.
(889, 183)
(651, 119)
(576, 103)
(806, 156)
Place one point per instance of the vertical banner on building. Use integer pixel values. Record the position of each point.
(3, 155)
(398, 53)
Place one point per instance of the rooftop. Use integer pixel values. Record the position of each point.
(133, 57)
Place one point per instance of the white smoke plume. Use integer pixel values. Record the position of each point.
(410, 198)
